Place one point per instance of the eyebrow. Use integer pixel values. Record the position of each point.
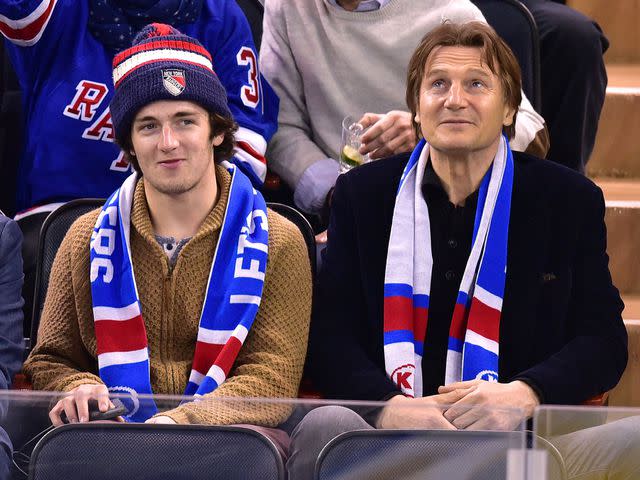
(180, 114)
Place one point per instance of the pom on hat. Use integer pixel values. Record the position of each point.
(163, 64)
(155, 30)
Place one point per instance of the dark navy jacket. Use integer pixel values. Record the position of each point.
(561, 328)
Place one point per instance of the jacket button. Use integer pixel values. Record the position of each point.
(450, 275)
(452, 243)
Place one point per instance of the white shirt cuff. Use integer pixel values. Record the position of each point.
(315, 183)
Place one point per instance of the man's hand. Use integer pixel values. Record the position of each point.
(75, 404)
(487, 407)
(424, 412)
(162, 419)
(388, 134)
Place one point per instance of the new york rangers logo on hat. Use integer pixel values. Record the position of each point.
(174, 81)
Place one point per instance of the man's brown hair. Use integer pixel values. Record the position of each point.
(217, 125)
(496, 54)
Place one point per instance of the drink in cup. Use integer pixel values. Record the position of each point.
(349, 155)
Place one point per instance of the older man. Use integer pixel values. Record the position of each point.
(463, 273)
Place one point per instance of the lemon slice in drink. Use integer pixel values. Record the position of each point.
(351, 156)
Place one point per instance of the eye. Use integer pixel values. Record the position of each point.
(477, 84)
(437, 84)
(147, 126)
(187, 121)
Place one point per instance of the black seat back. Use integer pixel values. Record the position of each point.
(53, 230)
(254, 12)
(102, 451)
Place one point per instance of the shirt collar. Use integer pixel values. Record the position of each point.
(365, 5)
(432, 186)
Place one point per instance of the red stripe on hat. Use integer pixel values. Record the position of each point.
(228, 355)
(398, 313)
(156, 61)
(161, 45)
(205, 355)
(484, 320)
(458, 322)
(120, 336)
(30, 31)
(251, 151)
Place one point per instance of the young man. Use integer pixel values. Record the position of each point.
(463, 276)
(184, 282)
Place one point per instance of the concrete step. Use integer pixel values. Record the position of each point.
(619, 21)
(617, 148)
(631, 308)
(622, 217)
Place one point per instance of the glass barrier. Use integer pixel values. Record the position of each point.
(593, 442)
(240, 438)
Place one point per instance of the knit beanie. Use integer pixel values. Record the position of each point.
(163, 64)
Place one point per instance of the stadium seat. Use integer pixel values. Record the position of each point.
(102, 451)
(426, 455)
(254, 12)
(54, 229)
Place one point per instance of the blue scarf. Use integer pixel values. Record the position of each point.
(114, 23)
(473, 347)
(233, 295)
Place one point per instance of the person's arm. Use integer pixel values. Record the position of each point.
(33, 30)
(532, 136)
(270, 362)
(11, 344)
(292, 152)
(595, 355)
(252, 101)
(338, 362)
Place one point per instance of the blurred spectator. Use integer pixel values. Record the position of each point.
(330, 58)
(452, 284)
(573, 86)
(11, 346)
(200, 310)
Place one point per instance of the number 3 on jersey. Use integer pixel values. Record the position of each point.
(250, 94)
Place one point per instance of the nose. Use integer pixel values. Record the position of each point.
(456, 97)
(169, 140)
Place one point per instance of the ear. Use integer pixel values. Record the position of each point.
(417, 117)
(217, 140)
(508, 115)
(132, 153)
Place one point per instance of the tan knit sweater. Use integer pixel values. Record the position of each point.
(270, 361)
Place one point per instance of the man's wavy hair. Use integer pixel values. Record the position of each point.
(496, 54)
(217, 125)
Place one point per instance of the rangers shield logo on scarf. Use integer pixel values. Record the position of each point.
(174, 81)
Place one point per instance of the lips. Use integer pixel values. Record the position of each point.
(172, 163)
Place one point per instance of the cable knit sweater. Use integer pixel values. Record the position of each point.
(270, 361)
